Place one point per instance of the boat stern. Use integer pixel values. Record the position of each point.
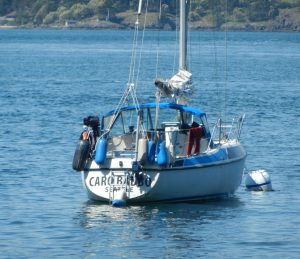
(108, 184)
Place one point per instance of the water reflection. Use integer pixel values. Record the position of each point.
(94, 214)
(171, 227)
(182, 215)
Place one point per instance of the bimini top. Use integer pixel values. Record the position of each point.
(174, 106)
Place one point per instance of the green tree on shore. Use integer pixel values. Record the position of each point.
(217, 12)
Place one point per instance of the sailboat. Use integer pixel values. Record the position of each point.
(162, 151)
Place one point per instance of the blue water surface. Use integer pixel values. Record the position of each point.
(51, 79)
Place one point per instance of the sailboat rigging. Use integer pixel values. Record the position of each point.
(162, 151)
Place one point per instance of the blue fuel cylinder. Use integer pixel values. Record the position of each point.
(151, 151)
(162, 155)
(101, 151)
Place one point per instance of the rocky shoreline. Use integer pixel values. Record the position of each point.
(230, 27)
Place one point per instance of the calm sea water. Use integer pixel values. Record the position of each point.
(50, 80)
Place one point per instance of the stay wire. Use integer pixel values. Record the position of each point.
(158, 43)
(142, 46)
(130, 85)
(216, 60)
(226, 62)
(189, 68)
(176, 41)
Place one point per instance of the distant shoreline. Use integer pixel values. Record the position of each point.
(235, 29)
(230, 26)
(248, 16)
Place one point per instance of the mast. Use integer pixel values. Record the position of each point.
(182, 35)
(179, 86)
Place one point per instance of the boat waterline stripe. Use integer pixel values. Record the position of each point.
(217, 163)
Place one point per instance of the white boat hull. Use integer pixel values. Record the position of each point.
(199, 182)
(169, 154)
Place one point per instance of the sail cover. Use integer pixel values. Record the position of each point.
(179, 86)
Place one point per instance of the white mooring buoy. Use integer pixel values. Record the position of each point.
(258, 180)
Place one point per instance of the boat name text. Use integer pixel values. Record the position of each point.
(119, 180)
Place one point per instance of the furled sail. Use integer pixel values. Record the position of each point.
(178, 87)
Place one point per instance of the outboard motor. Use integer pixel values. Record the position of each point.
(86, 142)
(92, 122)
